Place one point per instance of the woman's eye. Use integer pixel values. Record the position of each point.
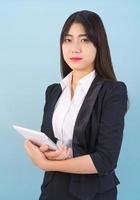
(85, 40)
(67, 40)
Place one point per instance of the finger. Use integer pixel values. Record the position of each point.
(27, 144)
(64, 154)
(69, 153)
(53, 153)
(62, 147)
(60, 154)
(30, 147)
(27, 147)
(44, 147)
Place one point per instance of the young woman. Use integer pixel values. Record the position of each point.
(84, 115)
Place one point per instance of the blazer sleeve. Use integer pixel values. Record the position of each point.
(110, 129)
(47, 95)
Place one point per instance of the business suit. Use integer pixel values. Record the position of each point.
(98, 132)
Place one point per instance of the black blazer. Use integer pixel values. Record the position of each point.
(98, 132)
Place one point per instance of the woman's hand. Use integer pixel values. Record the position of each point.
(37, 157)
(61, 153)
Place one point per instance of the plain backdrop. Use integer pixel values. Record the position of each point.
(29, 62)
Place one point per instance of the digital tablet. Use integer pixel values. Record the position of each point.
(36, 137)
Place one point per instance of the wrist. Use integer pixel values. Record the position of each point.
(49, 165)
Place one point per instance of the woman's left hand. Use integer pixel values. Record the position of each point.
(37, 157)
(61, 153)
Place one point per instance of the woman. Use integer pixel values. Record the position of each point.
(84, 115)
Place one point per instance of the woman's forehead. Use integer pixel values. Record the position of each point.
(76, 28)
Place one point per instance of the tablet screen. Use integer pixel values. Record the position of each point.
(36, 137)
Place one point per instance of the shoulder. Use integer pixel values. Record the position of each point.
(111, 87)
(113, 92)
(52, 88)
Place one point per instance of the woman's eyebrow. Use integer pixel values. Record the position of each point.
(80, 35)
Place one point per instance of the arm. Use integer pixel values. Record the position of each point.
(59, 161)
(110, 129)
(109, 140)
(78, 165)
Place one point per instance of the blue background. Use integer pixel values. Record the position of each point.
(29, 62)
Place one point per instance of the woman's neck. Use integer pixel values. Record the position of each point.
(77, 75)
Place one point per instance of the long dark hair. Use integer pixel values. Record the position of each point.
(96, 33)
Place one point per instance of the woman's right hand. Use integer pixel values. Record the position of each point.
(61, 153)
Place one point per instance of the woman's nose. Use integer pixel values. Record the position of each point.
(76, 48)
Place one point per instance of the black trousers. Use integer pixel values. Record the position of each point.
(58, 189)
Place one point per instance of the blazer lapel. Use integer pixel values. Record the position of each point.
(56, 92)
(85, 110)
(87, 107)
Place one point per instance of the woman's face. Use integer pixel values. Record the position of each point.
(78, 51)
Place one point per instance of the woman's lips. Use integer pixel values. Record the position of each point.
(75, 59)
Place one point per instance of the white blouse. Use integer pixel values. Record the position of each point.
(66, 109)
